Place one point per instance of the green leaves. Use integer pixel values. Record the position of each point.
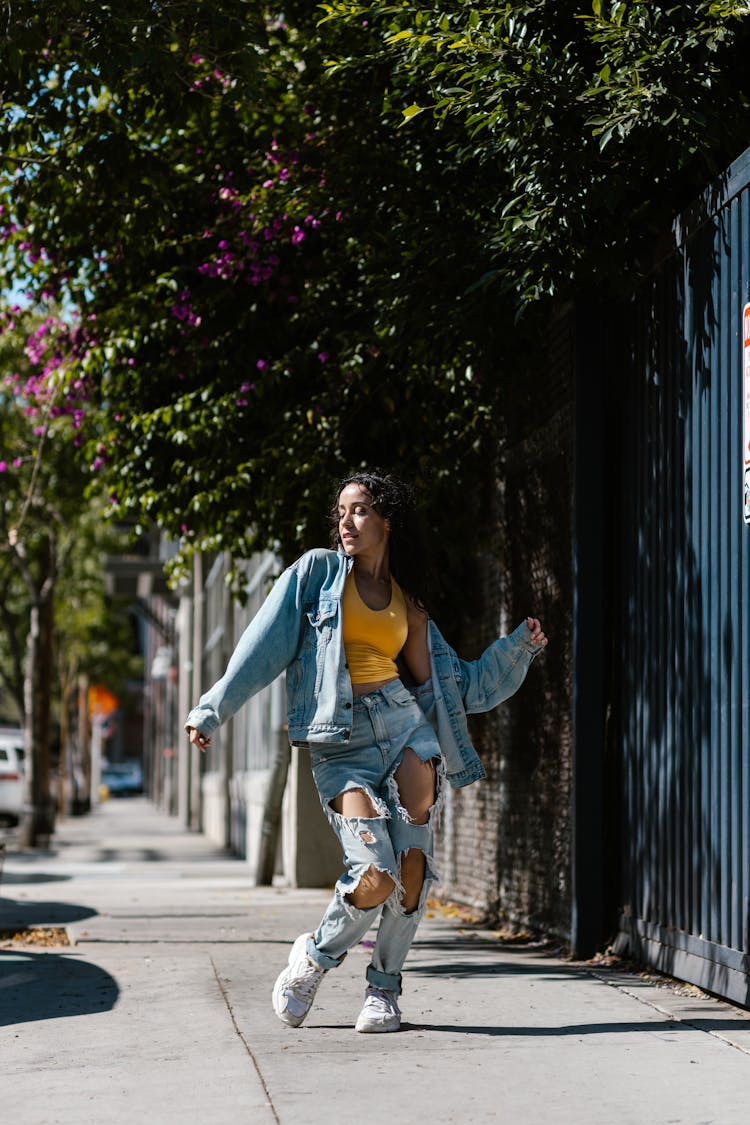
(576, 115)
(411, 112)
(286, 281)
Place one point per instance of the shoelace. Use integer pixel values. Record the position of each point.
(305, 985)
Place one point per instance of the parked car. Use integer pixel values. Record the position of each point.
(12, 778)
(123, 779)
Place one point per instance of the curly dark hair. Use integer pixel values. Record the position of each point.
(395, 501)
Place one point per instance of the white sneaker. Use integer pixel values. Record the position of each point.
(296, 986)
(380, 1012)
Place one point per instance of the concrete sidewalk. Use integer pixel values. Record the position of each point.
(161, 1009)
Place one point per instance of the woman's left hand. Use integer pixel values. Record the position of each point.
(535, 628)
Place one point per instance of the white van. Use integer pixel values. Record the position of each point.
(12, 778)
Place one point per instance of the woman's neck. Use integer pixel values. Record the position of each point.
(376, 568)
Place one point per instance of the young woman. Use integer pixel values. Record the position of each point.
(349, 636)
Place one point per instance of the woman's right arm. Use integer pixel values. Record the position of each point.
(202, 741)
(267, 647)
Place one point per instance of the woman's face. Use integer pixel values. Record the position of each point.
(362, 530)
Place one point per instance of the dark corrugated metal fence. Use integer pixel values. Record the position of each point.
(683, 576)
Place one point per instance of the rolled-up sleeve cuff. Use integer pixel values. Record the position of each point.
(203, 719)
(522, 637)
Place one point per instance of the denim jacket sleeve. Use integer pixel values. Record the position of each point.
(267, 646)
(498, 672)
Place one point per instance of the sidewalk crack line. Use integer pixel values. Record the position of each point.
(245, 1043)
(695, 1024)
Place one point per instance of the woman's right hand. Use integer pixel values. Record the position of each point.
(202, 741)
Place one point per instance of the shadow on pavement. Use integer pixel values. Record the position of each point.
(44, 986)
(721, 1027)
(34, 877)
(492, 969)
(14, 913)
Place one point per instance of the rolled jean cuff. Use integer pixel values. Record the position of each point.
(391, 981)
(322, 959)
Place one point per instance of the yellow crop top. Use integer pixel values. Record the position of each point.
(373, 638)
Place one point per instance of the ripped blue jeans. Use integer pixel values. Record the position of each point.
(385, 723)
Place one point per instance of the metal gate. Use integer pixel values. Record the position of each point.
(680, 580)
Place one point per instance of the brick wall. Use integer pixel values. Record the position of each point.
(504, 843)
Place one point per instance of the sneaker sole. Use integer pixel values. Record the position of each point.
(377, 1029)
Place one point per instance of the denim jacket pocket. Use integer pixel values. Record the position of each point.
(322, 619)
(321, 613)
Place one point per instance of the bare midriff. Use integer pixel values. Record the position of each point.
(365, 689)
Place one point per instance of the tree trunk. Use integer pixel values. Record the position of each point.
(269, 835)
(82, 803)
(38, 820)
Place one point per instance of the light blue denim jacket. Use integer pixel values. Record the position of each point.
(298, 630)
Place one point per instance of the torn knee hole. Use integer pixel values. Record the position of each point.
(372, 888)
(421, 814)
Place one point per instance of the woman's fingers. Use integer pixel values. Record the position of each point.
(535, 628)
(198, 739)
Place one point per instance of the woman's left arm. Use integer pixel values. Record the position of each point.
(502, 668)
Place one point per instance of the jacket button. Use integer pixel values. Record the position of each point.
(348, 706)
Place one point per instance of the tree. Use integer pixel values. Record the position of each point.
(51, 544)
(234, 302)
(296, 246)
(593, 124)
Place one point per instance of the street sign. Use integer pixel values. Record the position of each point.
(102, 702)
